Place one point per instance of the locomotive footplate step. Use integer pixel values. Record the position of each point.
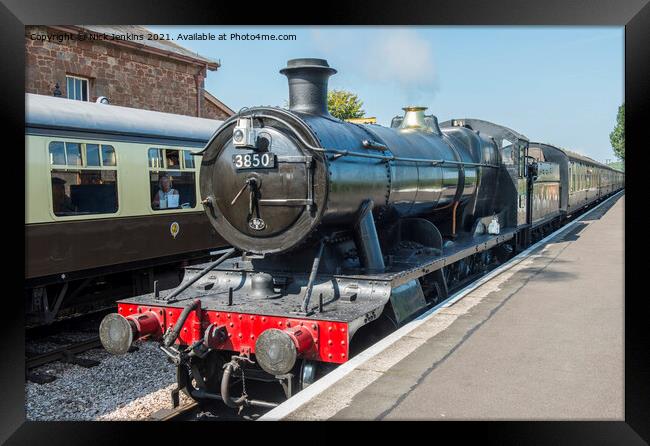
(540, 339)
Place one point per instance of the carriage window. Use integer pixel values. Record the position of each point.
(92, 155)
(108, 156)
(172, 190)
(68, 153)
(84, 192)
(81, 186)
(579, 177)
(173, 160)
(172, 185)
(189, 159)
(57, 153)
(156, 158)
(73, 154)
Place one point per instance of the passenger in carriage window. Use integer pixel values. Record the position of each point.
(173, 160)
(60, 200)
(166, 197)
(90, 178)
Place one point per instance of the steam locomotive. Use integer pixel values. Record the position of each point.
(339, 229)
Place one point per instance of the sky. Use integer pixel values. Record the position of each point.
(560, 85)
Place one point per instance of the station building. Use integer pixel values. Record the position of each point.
(131, 72)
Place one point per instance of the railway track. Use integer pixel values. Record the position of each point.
(197, 412)
(66, 354)
(61, 342)
(175, 414)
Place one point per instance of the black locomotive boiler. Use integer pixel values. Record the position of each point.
(336, 228)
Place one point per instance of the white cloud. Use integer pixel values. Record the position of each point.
(397, 58)
(401, 56)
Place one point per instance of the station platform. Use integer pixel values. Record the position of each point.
(542, 340)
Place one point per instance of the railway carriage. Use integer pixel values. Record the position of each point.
(93, 229)
(338, 231)
(582, 180)
(589, 180)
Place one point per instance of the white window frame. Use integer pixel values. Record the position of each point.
(83, 167)
(181, 168)
(83, 79)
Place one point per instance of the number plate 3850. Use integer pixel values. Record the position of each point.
(264, 160)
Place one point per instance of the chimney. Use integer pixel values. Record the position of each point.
(308, 85)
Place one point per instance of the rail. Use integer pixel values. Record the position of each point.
(63, 354)
(173, 414)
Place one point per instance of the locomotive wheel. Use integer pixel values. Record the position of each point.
(311, 371)
(373, 331)
(308, 373)
(504, 252)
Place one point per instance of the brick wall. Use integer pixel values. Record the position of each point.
(128, 77)
(212, 111)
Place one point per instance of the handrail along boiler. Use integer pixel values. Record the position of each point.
(338, 229)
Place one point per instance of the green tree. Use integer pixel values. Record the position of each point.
(344, 104)
(617, 137)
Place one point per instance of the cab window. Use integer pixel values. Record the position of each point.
(507, 154)
(172, 179)
(522, 161)
(82, 183)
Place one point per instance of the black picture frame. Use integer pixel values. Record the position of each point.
(633, 14)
